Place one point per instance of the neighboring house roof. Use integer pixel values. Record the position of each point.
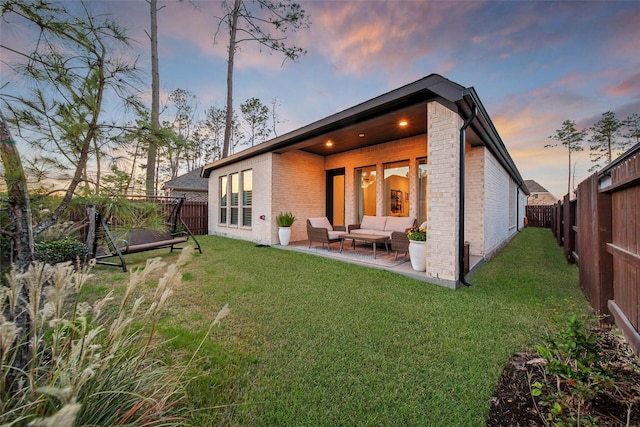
(375, 120)
(190, 181)
(534, 187)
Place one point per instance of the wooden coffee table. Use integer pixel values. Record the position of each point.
(367, 238)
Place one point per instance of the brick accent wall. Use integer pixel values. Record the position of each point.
(298, 186)
(443, 127)
(497, 187)
(192, 196)
(474, 207)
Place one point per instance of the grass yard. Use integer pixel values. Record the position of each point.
(316, 342)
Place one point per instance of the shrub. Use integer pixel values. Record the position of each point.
(417, 234)
(87, 367)
(572, 359)
(285, 219)
(53, 252)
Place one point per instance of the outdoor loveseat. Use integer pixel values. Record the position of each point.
(394, 227)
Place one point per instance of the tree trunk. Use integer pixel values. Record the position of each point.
(233, 29)
(22, 235)
(569, 178)
(18, 197)
(90, 240)
(152, 152)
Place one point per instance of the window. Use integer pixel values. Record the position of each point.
(247, 196)
(223, 199)
(366, 191)
(422, 190)
(235, 184)
(236, 198)
(396, 189)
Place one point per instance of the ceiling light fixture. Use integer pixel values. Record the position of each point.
(403, 123)
(361, 135)
(329, 143)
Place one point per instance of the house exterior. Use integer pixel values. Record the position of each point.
(427, 150)
(191, 186)
(538, 194)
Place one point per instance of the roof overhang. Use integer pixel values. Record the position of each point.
(376, 121)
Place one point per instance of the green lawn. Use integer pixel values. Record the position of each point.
(312, 341)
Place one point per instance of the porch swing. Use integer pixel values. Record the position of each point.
(113, 238)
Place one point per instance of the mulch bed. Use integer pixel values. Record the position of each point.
(513, 405)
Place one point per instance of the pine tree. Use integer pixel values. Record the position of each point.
(605, 140)
(570, 138)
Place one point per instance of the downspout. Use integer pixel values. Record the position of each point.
(463, 142)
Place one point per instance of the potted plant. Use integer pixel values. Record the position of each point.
(418, 248)
(285, 220)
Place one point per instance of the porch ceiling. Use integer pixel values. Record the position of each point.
(346, 135)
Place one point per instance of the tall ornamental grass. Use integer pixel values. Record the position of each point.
(89, 363)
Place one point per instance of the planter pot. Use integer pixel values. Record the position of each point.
(418, 255)
(284, 233)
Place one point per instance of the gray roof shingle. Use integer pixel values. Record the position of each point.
(188, 181)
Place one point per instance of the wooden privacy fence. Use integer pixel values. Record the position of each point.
(195, 215)
(600, 232)
(540, 215)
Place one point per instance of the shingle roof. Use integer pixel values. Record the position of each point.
(534, 187)
(189, 181)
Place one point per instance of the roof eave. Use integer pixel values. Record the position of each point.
(432, 86)
(487, 132)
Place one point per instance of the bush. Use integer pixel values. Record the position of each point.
(285, 219)
(88, 367)
(54, 252)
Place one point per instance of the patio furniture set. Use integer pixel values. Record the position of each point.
(373, 229)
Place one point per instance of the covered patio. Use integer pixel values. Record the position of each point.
(363, 255)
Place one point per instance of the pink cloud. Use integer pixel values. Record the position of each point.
(627, 87)
(569, 81)
(357, 37)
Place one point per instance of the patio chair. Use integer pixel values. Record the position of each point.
(320, 230)
(400, 241)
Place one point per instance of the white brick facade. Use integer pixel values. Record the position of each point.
(474, 205)
(443, 127)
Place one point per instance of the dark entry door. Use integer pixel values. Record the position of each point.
(335, 196)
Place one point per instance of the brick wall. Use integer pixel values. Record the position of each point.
(298, 186)
(260, 231)
(496, 219)
(474, 208)
(442, 215)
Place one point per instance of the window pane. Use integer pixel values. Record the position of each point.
(234, 216)
(235, 183)
(223, 191)
(366, 191)
(422, 191)
(247, 188)
(246, 217)
(224, 199)
(396, 189)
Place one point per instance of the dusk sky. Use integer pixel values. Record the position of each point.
(533, 64)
